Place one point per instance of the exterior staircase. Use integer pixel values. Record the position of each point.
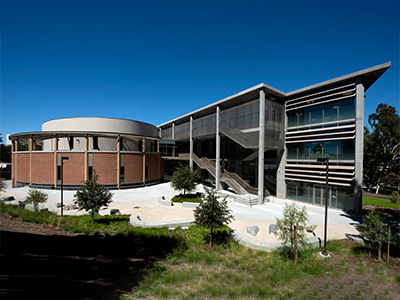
(234, 181)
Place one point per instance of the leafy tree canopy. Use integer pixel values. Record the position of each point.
(185, 179)
(212, 213)
(92, 196)
(382, 147)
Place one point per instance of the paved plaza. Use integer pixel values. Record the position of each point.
(143, 202)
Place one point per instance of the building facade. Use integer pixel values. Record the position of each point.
(267, 142)
(124, 153)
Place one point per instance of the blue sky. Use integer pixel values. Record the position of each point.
(153, 61)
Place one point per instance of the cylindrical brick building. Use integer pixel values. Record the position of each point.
(124, 153)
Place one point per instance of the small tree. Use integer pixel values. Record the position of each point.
(92, 196)
(375, 230)
(292, 228)
(35, 197)
(185, 179)
(212, 213)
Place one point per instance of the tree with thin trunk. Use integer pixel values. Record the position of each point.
(374, 230)
(293, 227)
(212, 213)
(35, 197)
(92, 196)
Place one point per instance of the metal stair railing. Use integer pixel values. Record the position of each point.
(239, 137)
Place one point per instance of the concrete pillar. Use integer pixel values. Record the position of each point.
(261, 141)
(158, 160)
(160, 133)
(13, 164)
(280, 176)
(30, 147)
(55, 159)
(359, 146)
(86, 157)
(191, 143)
(217, 152)
(173, 131)
(144, 160)
(118, 161)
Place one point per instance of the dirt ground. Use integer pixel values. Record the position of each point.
(40, 262)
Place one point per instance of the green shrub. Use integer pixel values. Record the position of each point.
(186, 198)
(395, 197)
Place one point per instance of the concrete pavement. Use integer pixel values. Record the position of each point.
(143, 201)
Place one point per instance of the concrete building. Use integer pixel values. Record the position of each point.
(266, 142)
(124, 153)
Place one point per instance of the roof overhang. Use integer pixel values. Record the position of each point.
(252, 93)
(367, 76)
(45, 135)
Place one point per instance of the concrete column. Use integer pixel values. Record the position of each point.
(280, 176)
(217, 152)
(30, 146)
(55, 159)
(261, 141)
(158, 160)
(160, 133)
(86, 157)
(191, 143)
(118, 161)
(173, 131)
(144, 160)
(359, 146)
(13, 164)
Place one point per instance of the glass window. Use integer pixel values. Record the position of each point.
(303, 193)
(292, 119)
(346, 149)
(345, 198)
(304, 151)
(330, 112)
(315, 114)
(303, 117)
(204, 122)
(346, 109)
(330, 149)
(292, 152)
(315, 150)
(291, 191)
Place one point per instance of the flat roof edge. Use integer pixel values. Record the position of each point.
(378, 70)
(269, 89)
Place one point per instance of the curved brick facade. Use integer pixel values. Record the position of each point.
(126, 158)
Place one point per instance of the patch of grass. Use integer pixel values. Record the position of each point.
(380, 202)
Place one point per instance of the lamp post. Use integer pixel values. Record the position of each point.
(62, 183)
(325, 160)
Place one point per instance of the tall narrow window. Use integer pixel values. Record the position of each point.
(71, 142)
(96, 143)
